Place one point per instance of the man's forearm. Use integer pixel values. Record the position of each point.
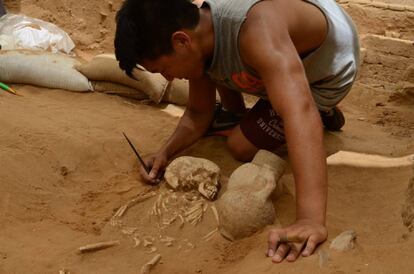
(196, 118)
(190, 129)
(307, 155)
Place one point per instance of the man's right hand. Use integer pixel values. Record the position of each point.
(156, 164)
(193, 124)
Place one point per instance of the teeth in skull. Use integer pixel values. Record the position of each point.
(208, 191)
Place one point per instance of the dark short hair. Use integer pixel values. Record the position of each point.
(144, 29)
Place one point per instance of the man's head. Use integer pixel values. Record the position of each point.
(156, 35)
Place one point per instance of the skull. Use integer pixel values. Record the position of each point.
(188, 173)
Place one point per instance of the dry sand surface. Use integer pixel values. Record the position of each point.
(65, 169)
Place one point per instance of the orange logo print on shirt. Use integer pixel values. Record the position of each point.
(247, 81)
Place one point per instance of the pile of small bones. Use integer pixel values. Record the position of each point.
(169, 208)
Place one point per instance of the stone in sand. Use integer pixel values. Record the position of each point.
(188, 173)
(344, 241)
(246, 206)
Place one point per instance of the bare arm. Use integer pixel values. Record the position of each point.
(231, 100)
(192, 125)
(196, 118)
(276, 60)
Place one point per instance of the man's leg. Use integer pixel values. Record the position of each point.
(261, 128)
(240, 147)
(231, 100)
(333, 119)
(228, 112)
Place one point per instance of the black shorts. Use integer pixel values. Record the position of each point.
(263, 127)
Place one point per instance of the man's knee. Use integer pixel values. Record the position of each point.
(241, 149)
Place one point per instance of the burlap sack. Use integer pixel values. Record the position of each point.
(42, 69)
(105, 68)
(118, 89)
(177, 92)
(246, 206)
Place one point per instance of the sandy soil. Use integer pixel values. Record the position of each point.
(66, 170)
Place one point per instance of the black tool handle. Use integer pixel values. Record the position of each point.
(136, 153)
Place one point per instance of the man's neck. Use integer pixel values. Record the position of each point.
(204, 34)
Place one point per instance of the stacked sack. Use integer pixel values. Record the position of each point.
(25, 43)
(106, 76)
(30, 55)
(42, 69)
(102, 74)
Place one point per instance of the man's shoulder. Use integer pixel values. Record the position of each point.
(265, 16)
(264, 23)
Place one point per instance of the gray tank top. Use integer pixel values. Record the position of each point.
(330, 69)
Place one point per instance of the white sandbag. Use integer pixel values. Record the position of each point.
(118, 89)
(246, 205)
(106, 68)
(7, 42)
(177, 92)
(42, 69)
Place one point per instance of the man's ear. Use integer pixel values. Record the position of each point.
(180, 40)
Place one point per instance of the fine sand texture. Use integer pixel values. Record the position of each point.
(68, 178)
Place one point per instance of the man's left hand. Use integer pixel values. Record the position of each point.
(302, 237)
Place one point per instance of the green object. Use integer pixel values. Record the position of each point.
(7, 88)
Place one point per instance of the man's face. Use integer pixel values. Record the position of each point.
(176, 65)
